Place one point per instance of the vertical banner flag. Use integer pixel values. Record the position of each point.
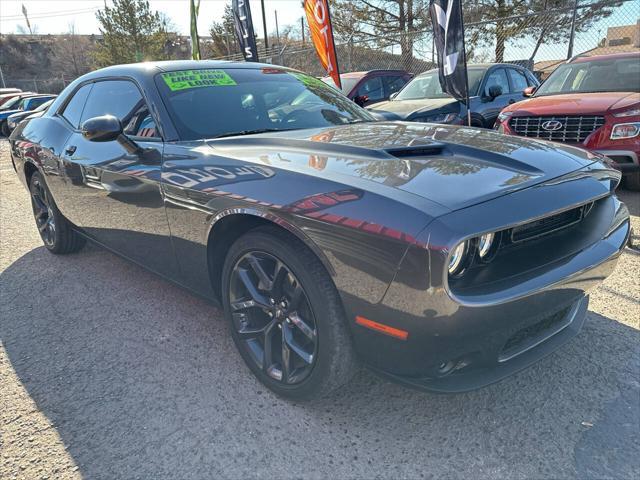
(195, 40)
(448, 36)
(244, 29)
(319, 21)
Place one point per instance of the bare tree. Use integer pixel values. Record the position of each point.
(73, 53)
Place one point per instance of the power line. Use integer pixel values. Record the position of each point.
(52, 14)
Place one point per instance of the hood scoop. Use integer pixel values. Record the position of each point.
(417, 148)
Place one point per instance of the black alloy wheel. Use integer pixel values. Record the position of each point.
(286, 316)
(57, 233)
(273, 318)
(43, 211)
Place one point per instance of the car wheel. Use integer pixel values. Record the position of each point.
(56, 232)
(286, 316)
(5, 129)
(632, 181)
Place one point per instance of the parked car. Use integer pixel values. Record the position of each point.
(367, 88)
(8, 99)
(14, 119)
(4, 91)
(491, 88)
(590, 102)
(25, 104)
(326, 236)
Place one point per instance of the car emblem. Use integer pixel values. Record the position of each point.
(551, 125)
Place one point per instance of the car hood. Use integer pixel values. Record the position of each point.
(18, 115)
(575, 104)
(404, 109)
(452, 166)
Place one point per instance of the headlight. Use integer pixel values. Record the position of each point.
(11, 124)
(625, 130)
(438, 118)
(458, 258)
(484, 244)
(628, 113)
(504, 116)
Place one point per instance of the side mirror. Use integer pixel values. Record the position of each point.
(495, 91)
(393, 95)
(108, 128)
(102, 129)
(361, 99)
(527, 92)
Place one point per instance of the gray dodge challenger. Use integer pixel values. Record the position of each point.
(442, 257)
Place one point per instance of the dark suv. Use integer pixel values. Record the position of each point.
(367, 88)
(491, 87)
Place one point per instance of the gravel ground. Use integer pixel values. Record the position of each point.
(107, 371)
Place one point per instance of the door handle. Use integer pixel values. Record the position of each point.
(70, 150)
(512, 101)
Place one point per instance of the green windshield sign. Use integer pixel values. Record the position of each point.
(184, 79)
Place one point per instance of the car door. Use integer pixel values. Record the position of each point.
(372, 89)
(491, 106)
(113, 195)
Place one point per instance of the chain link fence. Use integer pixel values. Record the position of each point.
(38, 85)
(540, 41)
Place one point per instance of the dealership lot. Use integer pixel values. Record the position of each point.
(107, 371)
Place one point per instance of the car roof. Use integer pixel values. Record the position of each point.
(612, 56)
(147, 70)
(367, 72)
(481, 66)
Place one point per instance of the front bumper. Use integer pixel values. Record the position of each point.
(538, 347)
(462, 341)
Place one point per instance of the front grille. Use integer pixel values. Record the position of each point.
(571, 129)
(550, 224)
(530, 336)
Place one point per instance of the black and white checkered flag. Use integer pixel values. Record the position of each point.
(448, 34)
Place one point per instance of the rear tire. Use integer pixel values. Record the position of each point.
(303, 350)
(56, 231)
(632, 181)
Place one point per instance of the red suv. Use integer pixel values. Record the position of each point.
(589, 102)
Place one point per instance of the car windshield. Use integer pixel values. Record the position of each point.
(347, 83)
(10, 104)
(427, 85)
(223, 102)
(44, 106)
(607, 75)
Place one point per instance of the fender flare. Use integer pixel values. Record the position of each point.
(277, 220)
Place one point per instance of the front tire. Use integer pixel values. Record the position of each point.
(286, 316)
(56, 231)
(5, 129)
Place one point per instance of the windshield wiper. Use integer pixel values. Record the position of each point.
(251, 132)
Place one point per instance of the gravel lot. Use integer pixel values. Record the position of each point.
(107, 371)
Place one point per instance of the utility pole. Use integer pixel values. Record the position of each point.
(573, 29)
(277, 31)
(2, 78)
(302, 28)
(264, 27)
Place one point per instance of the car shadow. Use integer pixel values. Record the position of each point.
(141, 379)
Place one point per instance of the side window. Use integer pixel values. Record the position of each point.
(372, 88)
(518, 80)
(497, 77)
(531, 79)
(123, 100)
(73, 111)
(394, 83)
